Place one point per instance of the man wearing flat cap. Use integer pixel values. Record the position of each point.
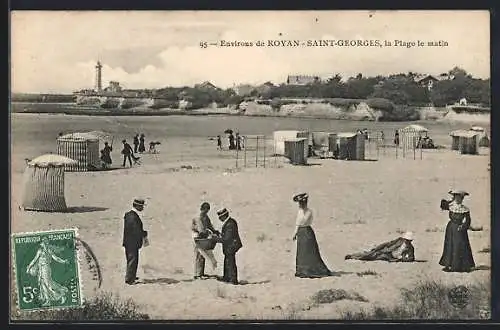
(231, 243)
(133, 237)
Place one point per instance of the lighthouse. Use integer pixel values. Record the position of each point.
(98, 77)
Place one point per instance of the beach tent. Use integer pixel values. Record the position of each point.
(279, 138)
(321, 142)
(44, 183)
(82, 147)
(411, 134)
(467, 142)
(294, 150)
(351, 146)
(484, 141)
(455, 138)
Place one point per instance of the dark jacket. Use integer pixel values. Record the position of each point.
(230, 237)
(133, 232)
(127, 149)
(136, 140)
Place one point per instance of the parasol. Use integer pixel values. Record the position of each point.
(228, 131)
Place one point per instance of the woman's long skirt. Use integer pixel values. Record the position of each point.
(457, 253)
(308, 260)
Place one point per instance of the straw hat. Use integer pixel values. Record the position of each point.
(301, 197)
(222, 213)
(139, 202)
(458, 192)
(408, 235)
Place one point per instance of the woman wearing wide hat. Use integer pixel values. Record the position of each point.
(457, 253)
(308, 260)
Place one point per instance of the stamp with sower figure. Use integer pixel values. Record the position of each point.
(47, 270)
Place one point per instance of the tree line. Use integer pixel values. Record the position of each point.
(400, 89)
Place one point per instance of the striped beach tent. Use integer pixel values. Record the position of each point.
(410, 136)
(82, 147)
(44, 183)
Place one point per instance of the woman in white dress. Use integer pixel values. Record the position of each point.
(40, 267)
(308, 260)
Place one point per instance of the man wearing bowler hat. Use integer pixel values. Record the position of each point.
(231, 243)
(133, 236)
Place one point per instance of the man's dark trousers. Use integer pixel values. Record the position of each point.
(129, 159)
(132, 255)
(230, 269)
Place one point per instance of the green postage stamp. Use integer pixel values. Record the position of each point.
(47, 270)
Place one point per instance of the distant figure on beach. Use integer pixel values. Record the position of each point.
(136, 143)
(134, 236)
(202, 228)
(219, 143)
(396, 138)
(309, 263)
(398, 250)
(142, 147)
(128, 153)
(152, 147)
(365, 133)
(457, 253)
(106, 155)
(238, 141)
(232, 146)
(382, 137)
(231, 243)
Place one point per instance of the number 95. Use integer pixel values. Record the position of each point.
(29, 294)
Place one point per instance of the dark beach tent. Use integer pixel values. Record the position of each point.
(280, 137)
(82, 147)
(468, 143)
(351, 146)
(294, 150)
(44, 183)
(455, 138)
(484, 141)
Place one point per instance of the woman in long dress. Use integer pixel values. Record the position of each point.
(308, 260)
(457, 253)
(142, 146)
(40, 267)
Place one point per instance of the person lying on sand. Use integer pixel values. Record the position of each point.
(397, 250)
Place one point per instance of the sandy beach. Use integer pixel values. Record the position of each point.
(356, 205)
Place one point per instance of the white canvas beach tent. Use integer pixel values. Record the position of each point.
(411, 134)
(44, 183)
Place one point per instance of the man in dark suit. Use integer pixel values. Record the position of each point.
(133, 236)
(231, 243)
(127, 153)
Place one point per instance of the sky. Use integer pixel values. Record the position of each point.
(56, 52)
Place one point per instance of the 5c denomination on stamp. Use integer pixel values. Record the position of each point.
(47, 270)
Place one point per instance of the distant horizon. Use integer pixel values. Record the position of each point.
(56, 52)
